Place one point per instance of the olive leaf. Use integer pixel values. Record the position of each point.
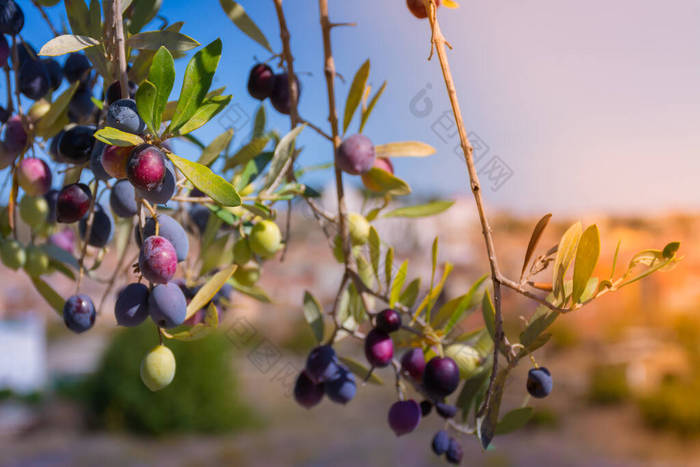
(239, 17)
(212, 151)
(145, 100)
(397, 284)
(199, 330)
(370, 107)
(404, 149)
(421, 210)
(50, 295)
(360, 370)
(357, 89)
(116, 137)
(174, 41)
(198, 77)
(208, 290)
(208, 110)
(247, 152)
(314, 315)
(207, 181)
(162, 75)
(534, 240)
(565, 253)
(587, 254)
(65, 44)
(387, 183)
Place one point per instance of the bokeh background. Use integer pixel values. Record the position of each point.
(587, 110)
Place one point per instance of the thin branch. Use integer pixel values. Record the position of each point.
(293, 110)
(439, 43)
(121, 48)
(46, 17)
(329, 71)
(316, 129)
(289, 61)
(88, 234)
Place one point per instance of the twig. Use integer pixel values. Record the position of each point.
(121, 47)
(8, 82)
(113, 278)
(293, 110)
(439, 43)
(46, 17)
(316, 129)
(329, 71)
(88, 233)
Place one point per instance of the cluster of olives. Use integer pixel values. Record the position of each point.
(263, 82)
(436, 379)
(133, 174)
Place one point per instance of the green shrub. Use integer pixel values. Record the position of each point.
(674, 406)
(202, 397)
(608, 385)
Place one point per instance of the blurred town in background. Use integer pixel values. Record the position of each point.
(625, 368)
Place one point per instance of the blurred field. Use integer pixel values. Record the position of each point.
(625, 368)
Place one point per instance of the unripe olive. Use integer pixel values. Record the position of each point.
(34, 210)
(37, 262)
(247, 275)
(241, 251)
(358, 228)
(13, 254)
(265, 239)
(466, 357)
(158, 368)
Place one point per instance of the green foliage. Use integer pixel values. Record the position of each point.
(117, 137)
(207, 181)
(162, 75)
(201, 398)
(388, 184)
(565, 253)
(313, 312)
(198, 77)
(366, 112)
(421, 210)
(357, 90)
(239, 17)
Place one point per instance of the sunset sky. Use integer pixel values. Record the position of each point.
(592, 105)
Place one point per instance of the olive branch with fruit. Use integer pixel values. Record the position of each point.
(121, 145)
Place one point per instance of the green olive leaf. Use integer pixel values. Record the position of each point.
(587, 254)
(207, 181)
(421, 210)
(357, 89)
(198, 77)
(116, 137)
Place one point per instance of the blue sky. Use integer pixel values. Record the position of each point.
(589, 105)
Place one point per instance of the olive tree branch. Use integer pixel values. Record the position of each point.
(120, 46)
(329, 72)
(46, 17)
(439, 45)
(289, 62)
(288, 59)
